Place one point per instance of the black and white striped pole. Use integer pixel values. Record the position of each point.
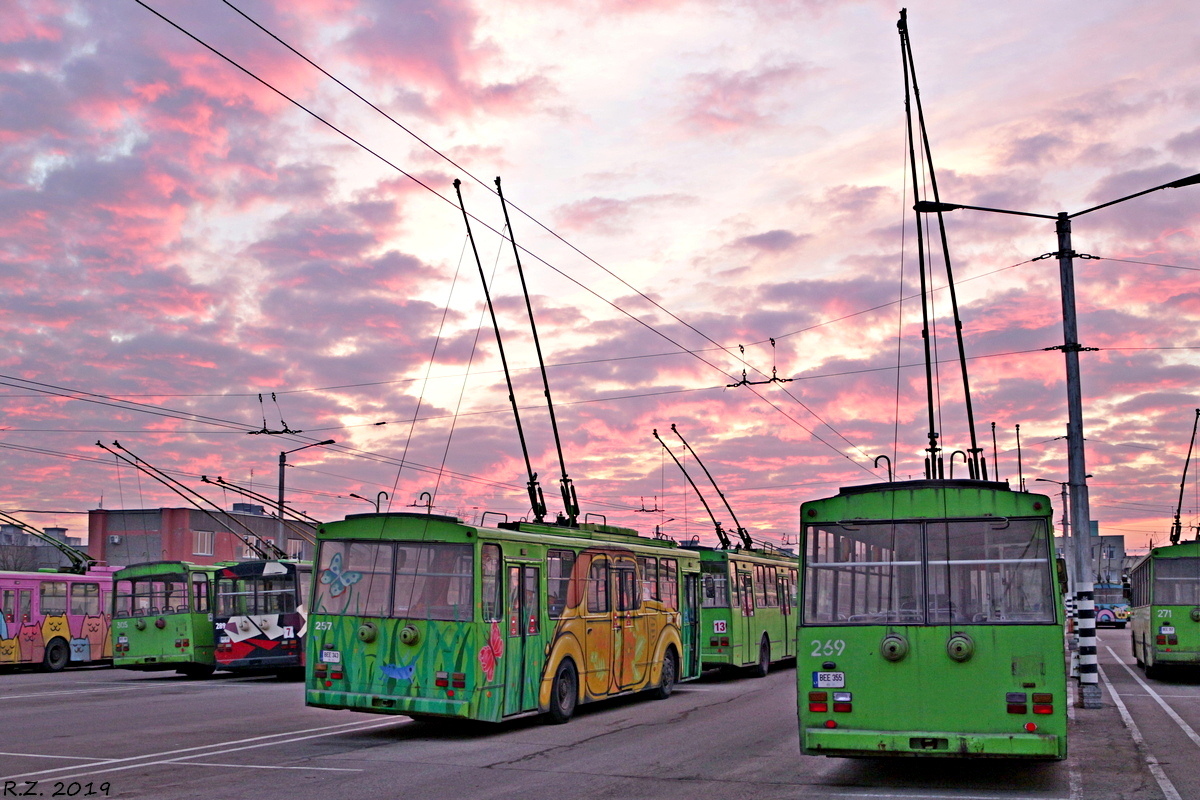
(1081, 525)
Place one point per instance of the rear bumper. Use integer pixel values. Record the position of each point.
(388, 704)
(842, 742)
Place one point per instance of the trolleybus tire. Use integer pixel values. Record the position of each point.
(564, 692)
(670, 671)
(763, 666)
(57, 655)
(198, 671)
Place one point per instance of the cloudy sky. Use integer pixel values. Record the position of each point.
(181, 234)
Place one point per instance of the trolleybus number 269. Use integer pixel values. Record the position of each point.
(829, 647)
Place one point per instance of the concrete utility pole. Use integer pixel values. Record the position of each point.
(1076, 468)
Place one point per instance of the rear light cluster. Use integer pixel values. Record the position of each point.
(1166, 639)
(225, 647)
(718, 641)
(1018, 702)
(120, 648)
(322, 672)
(819, 702)
(456, 680)
(183, 642)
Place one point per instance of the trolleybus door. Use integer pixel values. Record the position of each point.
(691, 623)
(629, 626)
(523, 649)
(749, 641)
(598, 638)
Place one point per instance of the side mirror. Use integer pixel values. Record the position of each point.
(1060, 565)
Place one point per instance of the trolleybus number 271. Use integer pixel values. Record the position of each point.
(829, 647)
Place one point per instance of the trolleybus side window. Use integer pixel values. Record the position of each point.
(490, 582)
(559, 566)
(85, 598)
(355, 579)
(648, 565)
(1176, 581)
(715, 576)
(52, 597)
(433, 581)
(668, 582)
(735, 586)
(597, 590)
(199, 592)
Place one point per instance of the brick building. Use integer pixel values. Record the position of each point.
(123, 537)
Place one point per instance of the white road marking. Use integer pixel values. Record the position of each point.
(201, 751)
(268, 766)
(1183, 726)
(1164, 783)
(40, 755)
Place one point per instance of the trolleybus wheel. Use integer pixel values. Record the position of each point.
(56, 656)
(669, 673)
(564, 694)
(763, 666)
(198, 671)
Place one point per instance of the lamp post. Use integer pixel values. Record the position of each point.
(379, 498)
(283, 463)
(1076, 467)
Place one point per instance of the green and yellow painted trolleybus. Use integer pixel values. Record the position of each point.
(1165, 595)
(163, 618)
(930, 624)
(746, 604)
(423, 615)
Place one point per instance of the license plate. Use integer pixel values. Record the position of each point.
(1166, 630)
(331, 656)
(829, 680)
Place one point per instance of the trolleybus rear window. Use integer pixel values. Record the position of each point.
(1177, 581)
(988, 571)
(405, 580)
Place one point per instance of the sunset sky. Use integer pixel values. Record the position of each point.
(688, 180)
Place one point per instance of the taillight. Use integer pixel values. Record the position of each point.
(817, 701)
(459, 680)
(441, 679)
(1018, 708)
(1160, 639)
(724, 641)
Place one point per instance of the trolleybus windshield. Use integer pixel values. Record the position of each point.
(1177, 581)
(986, 571)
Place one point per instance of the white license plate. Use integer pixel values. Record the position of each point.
(1166, 630)
(331, 656)
(829, 680)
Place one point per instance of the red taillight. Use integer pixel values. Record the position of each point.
(1041, 708)
(820, 708)
(724, 641)
(830, 723)
(714, 641)
(1160, 639)
(459, 680)
(842, 707)
(441, 679)
(1018, 708)
(337, 676)
(1172, 640)
(1031, 726)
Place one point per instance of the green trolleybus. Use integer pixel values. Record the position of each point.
(747, 600)
(929, 623)
(162, 618)
(1165, 595)
(423, 615)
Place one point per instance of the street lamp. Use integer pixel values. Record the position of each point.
(283, 463)
(1076, 468)
(379, 498)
